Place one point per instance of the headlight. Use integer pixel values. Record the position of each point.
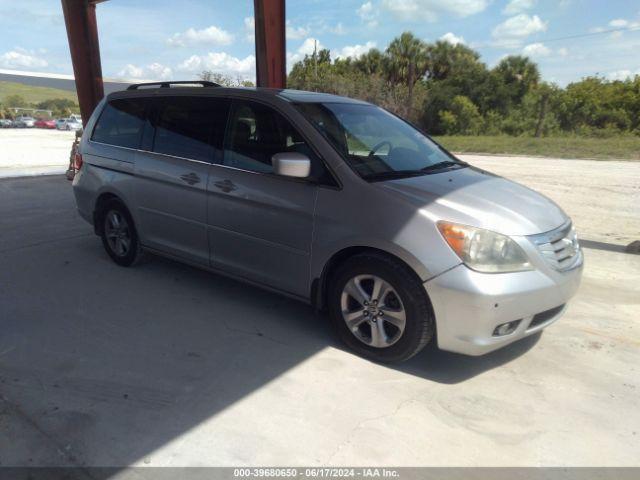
(484, 250)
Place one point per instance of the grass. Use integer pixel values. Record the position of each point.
(625, 147)
(34, 94)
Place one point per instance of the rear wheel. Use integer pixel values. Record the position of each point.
(379, 308)
(119, 235)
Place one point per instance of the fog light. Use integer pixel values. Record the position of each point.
(506, 328)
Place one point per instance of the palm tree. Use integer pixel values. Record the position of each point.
(370, 63)
(446, 59)
(407, 62)
(520, 73)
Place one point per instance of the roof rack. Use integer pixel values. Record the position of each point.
(204, 83)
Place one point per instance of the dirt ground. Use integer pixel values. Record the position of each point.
(602, 197)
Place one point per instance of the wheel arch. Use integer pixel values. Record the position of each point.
(102, 200)
(319, 285)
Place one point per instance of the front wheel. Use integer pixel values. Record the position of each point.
(119, 235)
(379, 308)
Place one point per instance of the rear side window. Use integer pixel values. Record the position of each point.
(121, 123)
(190, 127)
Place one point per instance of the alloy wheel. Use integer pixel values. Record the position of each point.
(118, 233)
(373, 311)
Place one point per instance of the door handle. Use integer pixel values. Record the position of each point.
(190, 178)
(225, 185)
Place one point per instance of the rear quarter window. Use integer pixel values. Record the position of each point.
(121, 123)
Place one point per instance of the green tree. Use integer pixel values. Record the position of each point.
(407, 62)
(463, 118)
(519, 75)
(445, 60)
(371, 63)
(447, 89)
(15, 101)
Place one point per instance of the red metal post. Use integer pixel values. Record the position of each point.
(270, 43)
(82, 31)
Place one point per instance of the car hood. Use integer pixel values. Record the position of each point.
(481, 199)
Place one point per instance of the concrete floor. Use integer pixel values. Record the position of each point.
(164, 364)
(34, 151)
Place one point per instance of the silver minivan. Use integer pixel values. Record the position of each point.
(333, 201)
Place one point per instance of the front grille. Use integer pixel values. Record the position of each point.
(542, 317)
(559, 247)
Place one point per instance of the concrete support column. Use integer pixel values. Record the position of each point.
(82, 31)
(271, 57)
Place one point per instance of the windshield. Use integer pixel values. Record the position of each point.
(375, 143)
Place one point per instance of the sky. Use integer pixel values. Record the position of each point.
(169, 39)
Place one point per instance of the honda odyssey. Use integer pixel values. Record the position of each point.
(333, 201)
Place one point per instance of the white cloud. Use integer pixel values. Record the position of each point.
(309, 45)
(430, 10)
(368, 14)
(618, 23)
(296, 33)
(208, 36)
(306, 48)
(221, 62)
(453, 39)
(622, 74)
(536, 50)
(131, 71)
(563, 51)
(518, 6)
(22, 58)
(250, 29)
(153, 71)
(518, 27)
(353, 51)
(158, 70)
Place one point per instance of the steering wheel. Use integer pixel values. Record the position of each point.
(378, 146)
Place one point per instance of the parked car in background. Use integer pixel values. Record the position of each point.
(70, 123)
(74, 124)
(24, 122)
(6, 123)
(42, 123)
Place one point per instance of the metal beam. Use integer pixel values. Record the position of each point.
(82, 31)
(270, 43)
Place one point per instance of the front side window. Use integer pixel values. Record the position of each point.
(190, 127)
(256, 133)
(121, 123)
(375, 143)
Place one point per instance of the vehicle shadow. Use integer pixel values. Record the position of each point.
(450, 368)
(605, 246)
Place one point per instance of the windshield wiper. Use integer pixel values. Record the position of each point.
(443, 164)
(392, 174)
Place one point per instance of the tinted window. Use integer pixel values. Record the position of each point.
(190, 127)
(121, 123)
(257, 132)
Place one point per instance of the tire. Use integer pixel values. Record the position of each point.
(121, 243)
(393, 340)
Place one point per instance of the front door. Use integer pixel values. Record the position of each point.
(261, 224)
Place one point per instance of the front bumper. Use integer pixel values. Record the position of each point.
(469, 305)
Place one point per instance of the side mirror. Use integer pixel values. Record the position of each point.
(291, 164)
